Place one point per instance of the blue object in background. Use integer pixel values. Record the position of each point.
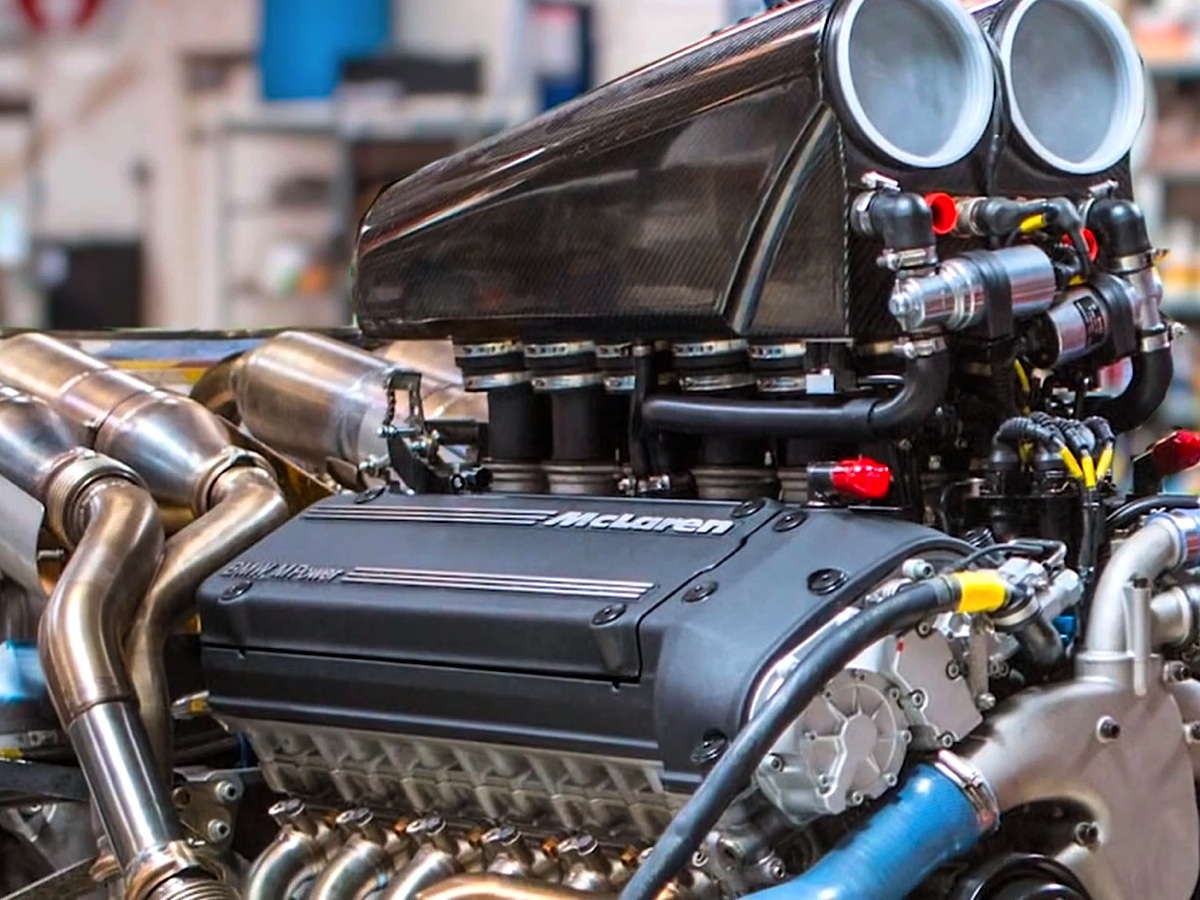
(21, 678)
(305, 41)
(563, 61)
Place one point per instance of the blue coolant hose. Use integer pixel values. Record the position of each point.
(929, 822)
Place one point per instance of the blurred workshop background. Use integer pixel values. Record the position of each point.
(204, 163)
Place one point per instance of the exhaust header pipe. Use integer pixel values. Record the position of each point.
(184, 454)
(100, 509)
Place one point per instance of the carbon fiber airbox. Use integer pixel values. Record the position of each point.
(707, 194)
(601, 625)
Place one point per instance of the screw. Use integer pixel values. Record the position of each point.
(699, 859)
(609, 614)
(235, 590)
(698, 592)
(924, 629)
(1108, 729)
(749, 508)
(1087, 834)
(953, 670)
(826, 581)
(774, 762)
(856, 798)
(890, 780)
(710, 748)
(775, 868)
(985, 702)
(217, 830)
(918, 699)
(946, 739)
(790, 521)
(228, 791)
(825, 783)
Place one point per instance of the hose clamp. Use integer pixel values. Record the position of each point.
(1152, 341)
(1128, 265)
(560, 350)
(546, 384)
(232, 458)
(777, 352)
(975, 788)
(1185, 530)
(694, 384)
(701, 349)
(486, 351)
(918, 349)
(495, 381)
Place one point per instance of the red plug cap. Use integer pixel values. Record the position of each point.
(1176, 453)
(1089, 238)
(850, 479)
(945, 213)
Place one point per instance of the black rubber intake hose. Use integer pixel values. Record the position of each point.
(734, 769)
(1135, 509)
(925, 383)
(1133, 407)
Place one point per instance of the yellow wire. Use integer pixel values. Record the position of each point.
(1089, 471)
(1104, 464)
(1071, 463)
(1023, 377)
(1033, 223)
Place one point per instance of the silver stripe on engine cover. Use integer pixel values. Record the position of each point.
(456, 516)
(520, 584)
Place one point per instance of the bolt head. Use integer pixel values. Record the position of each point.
(1087, 834)
(228, 791)
(1108, 729)
(609, 614)
(217, 830)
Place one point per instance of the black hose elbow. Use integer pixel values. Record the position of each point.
(1121, 229)
(904, 222)
(1133, 407)
(925, 386)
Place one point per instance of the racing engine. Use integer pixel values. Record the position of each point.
(731, 487)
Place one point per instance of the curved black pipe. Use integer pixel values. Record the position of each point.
(1152, 374)
(925, 382)
(1135, 509)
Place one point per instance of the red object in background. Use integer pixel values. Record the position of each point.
(945, 213)
(1177, 452)
(60, 15)
(1089, 238)
(852, 479)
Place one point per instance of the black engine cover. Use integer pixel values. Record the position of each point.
(614, 626)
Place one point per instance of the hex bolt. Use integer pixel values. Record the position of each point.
(1108, 729)
(710, 748)
(1087, 834)
(918, 699)
(773, 762)
(946, 739)
(953, 670)
(228, 791)
(217, 830)
(856, 798)
(924, 629)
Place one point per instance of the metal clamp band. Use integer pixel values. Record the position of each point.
(485, 351)
(545, 384)
(559, 350)
(973, 785)
(700, 349)
(1159, 339)
(772, 352)
(917, 349)
(494, 381)
(783, 384)
(701, 383)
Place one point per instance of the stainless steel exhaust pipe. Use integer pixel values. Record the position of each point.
(100, 510)
(184, 454)
(303, 847)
